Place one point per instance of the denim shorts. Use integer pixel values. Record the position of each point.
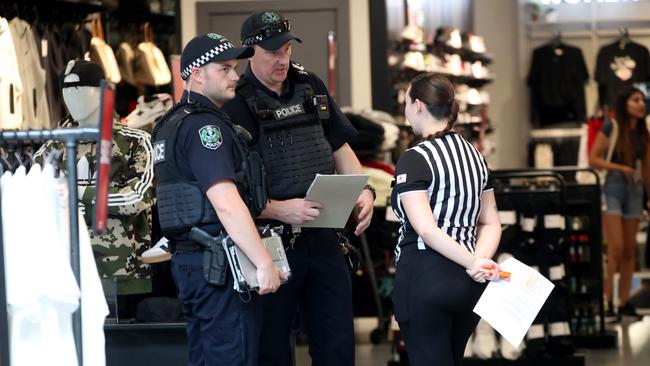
(622, 197)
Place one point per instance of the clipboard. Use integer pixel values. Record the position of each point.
(339, 193)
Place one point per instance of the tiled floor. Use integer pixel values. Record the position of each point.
(633, 350)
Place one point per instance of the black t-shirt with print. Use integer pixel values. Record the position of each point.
(619, 67)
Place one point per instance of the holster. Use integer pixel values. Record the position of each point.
(214, 256)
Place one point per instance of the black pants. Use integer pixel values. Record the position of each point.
(321, 286)
(221, 328)
(433, 299)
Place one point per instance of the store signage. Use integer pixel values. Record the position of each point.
(555, 2)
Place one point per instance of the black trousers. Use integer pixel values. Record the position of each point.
(221, 328)
(433, 299)
(321, 286)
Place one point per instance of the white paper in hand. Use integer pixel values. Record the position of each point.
(339, 194)
(511, 306)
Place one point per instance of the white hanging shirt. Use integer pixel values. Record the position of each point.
(93, 302)
(42, 293)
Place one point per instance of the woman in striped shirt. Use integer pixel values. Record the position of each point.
(449, 229)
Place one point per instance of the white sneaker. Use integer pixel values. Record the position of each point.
(158, 253)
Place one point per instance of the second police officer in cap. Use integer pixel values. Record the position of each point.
(203, 187)
(299, 131)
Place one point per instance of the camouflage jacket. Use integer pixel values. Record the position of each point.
(118, 252)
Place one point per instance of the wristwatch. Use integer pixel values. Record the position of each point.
(372, 190)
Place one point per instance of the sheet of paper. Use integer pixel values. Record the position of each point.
(338, 193)
(511, 306)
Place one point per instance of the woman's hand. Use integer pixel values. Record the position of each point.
(483, 269)
(629, 173)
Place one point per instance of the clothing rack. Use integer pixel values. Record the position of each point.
(71, 137)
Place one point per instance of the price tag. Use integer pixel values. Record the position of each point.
(554, 222)
(557, 272)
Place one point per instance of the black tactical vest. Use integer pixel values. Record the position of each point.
(181, 203)
(291, 137)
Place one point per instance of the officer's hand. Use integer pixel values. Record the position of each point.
(268, 278)
(483, 269)
(299, 211)
(365, 204)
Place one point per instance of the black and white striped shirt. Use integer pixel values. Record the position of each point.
(454, 175)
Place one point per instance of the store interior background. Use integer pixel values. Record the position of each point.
(509, 34)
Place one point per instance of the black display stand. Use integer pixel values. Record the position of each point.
(160, 344)
(584, 256)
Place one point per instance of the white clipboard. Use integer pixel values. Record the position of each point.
(339, 193)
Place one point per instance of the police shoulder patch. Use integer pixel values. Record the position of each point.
(210, 137)
(158, 152)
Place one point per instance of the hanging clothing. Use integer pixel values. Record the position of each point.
(50, 41)
(118, 252)
(93, 301)
(36, 113)
(619, 65)
(11, 86)
(40, 307)
(557, 79)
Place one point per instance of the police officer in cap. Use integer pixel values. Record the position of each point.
(299, 131)
(201, 183)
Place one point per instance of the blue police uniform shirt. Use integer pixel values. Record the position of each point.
(205, 146)
(338, 131)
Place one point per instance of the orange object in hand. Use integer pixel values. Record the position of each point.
(502, 274)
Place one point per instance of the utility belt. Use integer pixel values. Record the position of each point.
(220, 252)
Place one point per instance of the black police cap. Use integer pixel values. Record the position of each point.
(268, 28)
(208, 48)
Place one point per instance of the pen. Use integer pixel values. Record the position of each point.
(502, 274)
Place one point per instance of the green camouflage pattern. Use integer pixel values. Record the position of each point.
(118, 252)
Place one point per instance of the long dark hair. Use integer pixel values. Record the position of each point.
(437, 93)
(624, 146)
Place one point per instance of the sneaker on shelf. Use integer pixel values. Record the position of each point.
(476, 44)
(414, 60)
(413, 33)
(148, 110)
(158, 253)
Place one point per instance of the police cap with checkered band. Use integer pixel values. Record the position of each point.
(207, 48)
(268, 28)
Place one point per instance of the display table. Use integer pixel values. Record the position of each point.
(159, 344)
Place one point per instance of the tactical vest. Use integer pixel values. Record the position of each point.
(291, 137)
(181, 203)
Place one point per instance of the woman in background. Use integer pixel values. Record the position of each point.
(628, 171)
(449, 229)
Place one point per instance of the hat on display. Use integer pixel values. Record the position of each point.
(82, 73)
(269, 29)
(207, 48)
